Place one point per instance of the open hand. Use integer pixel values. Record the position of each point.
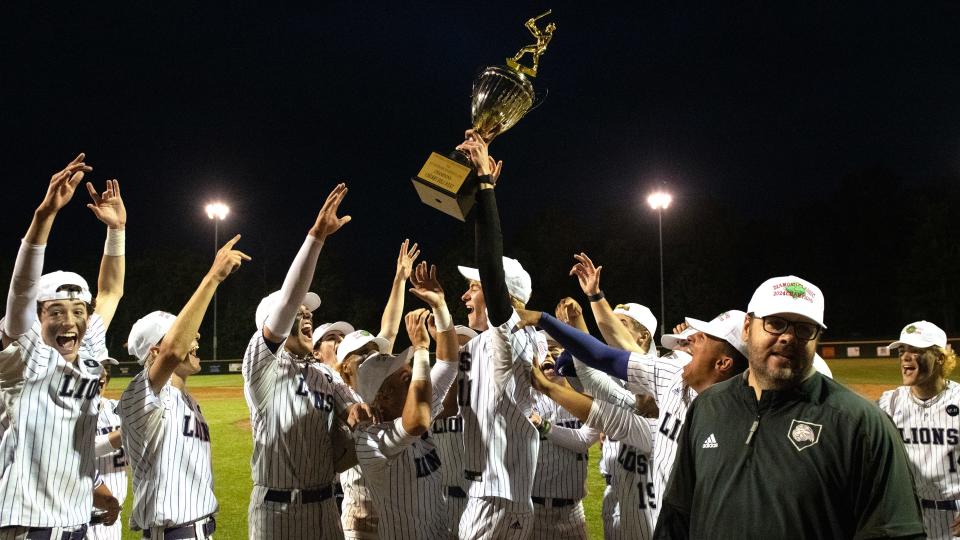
(408, 254)
(63, 185)
(587, 274)
(426, 286)
(327, 220)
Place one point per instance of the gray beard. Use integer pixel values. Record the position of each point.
(776, 378)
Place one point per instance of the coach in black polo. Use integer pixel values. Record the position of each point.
(784, 452)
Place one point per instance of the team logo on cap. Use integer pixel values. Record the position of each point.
(953, 410)
(910, 329)
(803, 435)
(364, 333)
(796, 290)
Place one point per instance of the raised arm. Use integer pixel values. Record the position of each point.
(179, 340)
(489, 237)
(109, 208)
(21, 306)
(610, 327)
(569, 311)
(393, 312)
(300, 274)
(583, 346)
(416, 417)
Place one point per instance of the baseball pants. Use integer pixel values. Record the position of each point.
(559, 523)
(106, 532)
(610, 511)
(494, 518)
(268, 520)
(937, 523)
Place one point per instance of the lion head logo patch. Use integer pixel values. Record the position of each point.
(803, 435)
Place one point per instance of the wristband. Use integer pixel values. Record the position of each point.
(115, 244)
(442, 318)
(595, 297)
(421, 364)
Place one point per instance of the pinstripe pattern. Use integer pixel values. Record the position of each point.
(562, 523)
(447, 434)
(673, 410)
(47, 451)
(561, 473)
(167, 441)
(294, 520)
(610, 506)
(293, 409)
(359, 518)
(499, 440)
(402, 471)
(489, 518)
(931, 436)
(112, 468)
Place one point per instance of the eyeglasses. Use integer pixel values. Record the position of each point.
(802, 330)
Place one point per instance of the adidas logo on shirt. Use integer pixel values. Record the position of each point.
(711, 442)
(516, 526)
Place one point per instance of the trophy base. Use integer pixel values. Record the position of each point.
(448, 184)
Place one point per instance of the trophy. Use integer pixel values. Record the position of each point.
(502, 95)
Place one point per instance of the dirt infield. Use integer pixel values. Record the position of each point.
(201, 393)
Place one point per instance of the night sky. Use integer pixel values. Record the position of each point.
(807, 138)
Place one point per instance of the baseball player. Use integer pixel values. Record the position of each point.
(165, 434)
(500, 442)
(926, 411)
(51, 396)
(111, 459)
(294, 402)
(397, 455)
(559, 481)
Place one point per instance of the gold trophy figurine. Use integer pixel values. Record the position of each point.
(502, 95)
(543, 39)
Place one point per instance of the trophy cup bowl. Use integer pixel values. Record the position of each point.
(501, 97)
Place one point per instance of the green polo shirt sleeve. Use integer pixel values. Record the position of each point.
(887, 504)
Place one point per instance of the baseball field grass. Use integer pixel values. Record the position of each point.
(221, 399)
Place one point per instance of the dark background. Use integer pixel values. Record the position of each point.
(819, 139)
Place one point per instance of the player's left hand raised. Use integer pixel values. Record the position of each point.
(426, 286)
(228, 260)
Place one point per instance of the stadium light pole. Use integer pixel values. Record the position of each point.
(216, 211)
(660, 201)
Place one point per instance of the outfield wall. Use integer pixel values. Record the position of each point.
(839, 350)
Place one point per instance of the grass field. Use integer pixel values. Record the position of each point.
(221, 398)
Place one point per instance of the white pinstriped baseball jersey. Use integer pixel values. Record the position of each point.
(931, 434)
(47, 451)
(402, 471)
(167, 441)
(293, 407)
(113, 466)
(499, 441)
(447, 435)
(359, 515)
(561, 470)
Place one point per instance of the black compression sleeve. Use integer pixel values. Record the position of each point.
(489, 246)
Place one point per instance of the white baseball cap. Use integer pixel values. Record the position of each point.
(311, 300)
(358, 338)
(49, 283)
(788, 294)
(677, 341)
(517, 279)
(375, 369)
(466, 331)
(727, 326)
(147, 332)
(921, 334)
(324, 329)
(639, 313)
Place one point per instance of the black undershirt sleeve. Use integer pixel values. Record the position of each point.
(489, 255)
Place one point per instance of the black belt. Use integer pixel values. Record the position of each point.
(307, 496)
(472, 476)
(556, 503)
(940, 505)
(608, 478)
(44, 533)
(184, 532)
(456, 491)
